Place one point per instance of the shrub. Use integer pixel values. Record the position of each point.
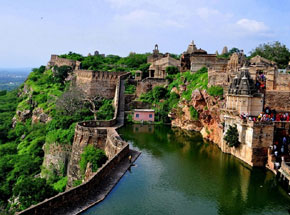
(215, 91)
(193, 113)
(232, 136)
(60, 185)
(159, 93)
(172, 70)
(95, 156)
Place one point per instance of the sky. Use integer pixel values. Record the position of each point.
(32, 30)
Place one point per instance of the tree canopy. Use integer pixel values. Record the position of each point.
(274, 51)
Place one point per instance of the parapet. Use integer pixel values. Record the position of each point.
(55, 60)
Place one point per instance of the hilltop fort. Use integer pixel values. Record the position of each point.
(253, 107)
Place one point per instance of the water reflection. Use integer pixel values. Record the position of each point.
(179, 173)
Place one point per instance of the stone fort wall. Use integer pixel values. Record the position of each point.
(282, 82)
(148, 84)
(100, 134)
(77, 194)
(95, 133)
(255, 139)
(278, 100)
(55, 60)
(98, 83)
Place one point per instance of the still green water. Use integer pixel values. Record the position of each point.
(179, 173)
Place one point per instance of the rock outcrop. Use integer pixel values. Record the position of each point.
(56, 158)
(209, 121)
(38, 115)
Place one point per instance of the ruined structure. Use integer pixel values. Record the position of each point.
(222, 76)
(158, 67)
(55, 60)
(156, 55)
(148, 84)
(194, 59)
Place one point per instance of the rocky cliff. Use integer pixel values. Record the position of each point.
(207, 120)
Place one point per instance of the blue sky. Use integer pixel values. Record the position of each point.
(31, 30)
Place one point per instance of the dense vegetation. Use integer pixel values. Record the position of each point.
(96, 157)
(164, 99)
(21, 153)
(112, 63)
(273, 51)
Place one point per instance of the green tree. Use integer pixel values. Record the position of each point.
(32, 190)
(159, 93)
(95, 156)
(172, 70)
(274, 51)
(232, 136)
(72, 56)
(61, 73)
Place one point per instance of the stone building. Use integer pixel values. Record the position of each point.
(243, 97)
(144, 115)
(138, 75)
(222, 76)
(156, 55)
(194, 59)
(158, 68)
(255, 137)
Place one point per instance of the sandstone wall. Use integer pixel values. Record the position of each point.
(255, 139)
(282, 82)
(97, 83)
(84, 136)
(209, 61)
(95, 133)
(57, 61)
(218, 77)
(77, 194)
(114, 143)
(278, 100)
(148, 84)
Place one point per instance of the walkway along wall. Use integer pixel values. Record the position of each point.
(93, 133)
(101, 134)
(77, 194)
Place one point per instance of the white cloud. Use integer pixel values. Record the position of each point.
(252, 26)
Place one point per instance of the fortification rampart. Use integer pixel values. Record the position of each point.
(78, 194)
(148, 84)
(101, 134)
(255, 139)
(94, 133)
(98, 83)
(217, 76)
(282, 81)
(278, 100)
(55, 60)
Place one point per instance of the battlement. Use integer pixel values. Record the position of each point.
(98, 75)
(55, 60)
(98, 82)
